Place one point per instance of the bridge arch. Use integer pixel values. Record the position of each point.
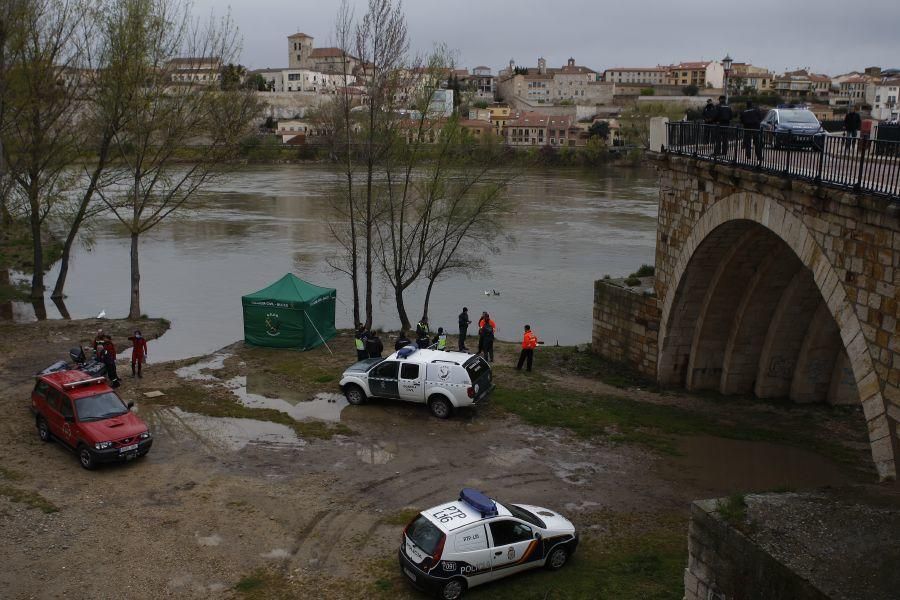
(755, 306)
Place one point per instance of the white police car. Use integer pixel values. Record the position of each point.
(442, 380)
(454, 546)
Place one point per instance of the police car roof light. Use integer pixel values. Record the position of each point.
(479, 502)
(406, 352)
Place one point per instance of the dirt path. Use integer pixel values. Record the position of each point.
(234, 506)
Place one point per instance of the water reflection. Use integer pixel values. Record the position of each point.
(568, 229)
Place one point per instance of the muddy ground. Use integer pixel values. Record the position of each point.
(263, 483)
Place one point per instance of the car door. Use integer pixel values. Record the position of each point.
(412, 382)
(472, 552)
(51, 412)
(513, 547)
(383, 380)
(69, 427)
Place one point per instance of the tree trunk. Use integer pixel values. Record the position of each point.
(369, 194)
(427, 298)
(401, 310)
(61, 307)
(134, 312)
(64, 265)
(37, 278)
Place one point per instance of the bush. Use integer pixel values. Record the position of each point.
(644, 271)
(648, 92)
(632, 281)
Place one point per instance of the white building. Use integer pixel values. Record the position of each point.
(441, 104)
(304, 80)
(882, 97)
(636, 75)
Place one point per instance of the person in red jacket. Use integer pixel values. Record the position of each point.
(138, 353)
(529, 343)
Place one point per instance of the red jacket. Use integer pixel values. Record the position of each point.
(139, 348)
(529, 342)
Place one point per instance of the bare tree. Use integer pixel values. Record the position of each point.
(170, 112)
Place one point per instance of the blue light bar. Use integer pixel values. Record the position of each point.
(406, 352)
(479, 502)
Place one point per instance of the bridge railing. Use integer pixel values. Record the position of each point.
(837, 160)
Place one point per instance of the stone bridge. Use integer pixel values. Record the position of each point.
(769, 286)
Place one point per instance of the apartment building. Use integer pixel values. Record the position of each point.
(649, 76)
(203, 70)
(802, 85)
(526, 128)
(700, 73)
(882, 97)
(745, 75)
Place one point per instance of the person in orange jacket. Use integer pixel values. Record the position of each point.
(529, 343)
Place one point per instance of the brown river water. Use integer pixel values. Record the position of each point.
(569, 228)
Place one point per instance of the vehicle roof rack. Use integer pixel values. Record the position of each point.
(406, 351)
(479, 501)
(91, 381)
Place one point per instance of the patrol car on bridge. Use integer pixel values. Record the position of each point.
(442, 380)
(454, 546)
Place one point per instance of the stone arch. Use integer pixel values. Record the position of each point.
(720, 246)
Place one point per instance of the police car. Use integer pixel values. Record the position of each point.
(442, 380)
(454, 546)
(792, 125)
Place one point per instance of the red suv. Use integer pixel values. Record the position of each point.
(86, 415)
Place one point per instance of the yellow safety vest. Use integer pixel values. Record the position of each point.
(442, 341)
(359, 344)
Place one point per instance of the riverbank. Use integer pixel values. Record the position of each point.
(262, 480)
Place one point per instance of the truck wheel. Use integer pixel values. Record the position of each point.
(86, 458)
(557, 558)
(440, 407)
(354, 394)
(43, 430)
(452, 590)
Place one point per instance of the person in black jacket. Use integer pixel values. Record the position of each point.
(750, 121)
(464, 323)
(723, 120)
(374, 347)
(852, 124)
(709, 119)
(402, 341)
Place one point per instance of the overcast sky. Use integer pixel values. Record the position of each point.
(829, 36)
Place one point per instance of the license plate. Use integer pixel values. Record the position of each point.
(128, 448)
(409, 573)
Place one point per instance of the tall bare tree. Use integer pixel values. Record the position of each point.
(170, 112)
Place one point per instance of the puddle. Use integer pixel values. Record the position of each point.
(376, 454)
(725, 465)
(323, 406)
(581, 506)
(231, 433)
(195, 372)
(576, 473)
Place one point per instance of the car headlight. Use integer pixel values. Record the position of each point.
(145, 435)
(102, 445)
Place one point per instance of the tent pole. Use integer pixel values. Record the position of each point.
(317, 332)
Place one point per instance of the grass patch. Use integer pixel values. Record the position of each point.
(733, 509)
(221, 404)
(588, 364)
(401, 517)
(263, 584)
(305, 372)
(28, 498)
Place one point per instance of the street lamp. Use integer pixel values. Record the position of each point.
(726, 63)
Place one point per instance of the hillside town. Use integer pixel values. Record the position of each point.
(545, 105)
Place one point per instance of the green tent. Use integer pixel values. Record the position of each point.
(290, 313)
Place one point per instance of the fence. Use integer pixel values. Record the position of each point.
(860, 164)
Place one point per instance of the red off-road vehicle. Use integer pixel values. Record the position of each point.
(85, 414)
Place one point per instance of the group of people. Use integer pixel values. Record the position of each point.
(105, 351)
(369, 345)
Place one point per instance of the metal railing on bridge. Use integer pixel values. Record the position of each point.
(836, 160)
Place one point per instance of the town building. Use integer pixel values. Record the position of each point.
(851, 91)
(802, 85)
(203, 70)
(701, 74)
(303, 55)
(484, 84)
(528, 128)
(882, 97)
(747, 77)
(570, 84)
(649, 76)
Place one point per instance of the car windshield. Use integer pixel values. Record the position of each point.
(424, 534)
(101, 406)
(364, 365)
(526, 515)
(798, 116)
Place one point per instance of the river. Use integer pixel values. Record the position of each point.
(568, 228)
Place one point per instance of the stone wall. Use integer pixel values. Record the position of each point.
(626, 323)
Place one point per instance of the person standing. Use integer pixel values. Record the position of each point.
(108, 358)
(441, 339)
(138, 353)
(422, 329)
(486, 334)
(98, 339)
(723, 120)
(529, 343)
(852, 125)
(360, 341)
(751, 119)
(402, 341)
(464, 323)
(709, 119)
(374, 347)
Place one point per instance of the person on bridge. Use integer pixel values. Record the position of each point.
(709, 119)
(750, 121)
(852, 124)
(529, 343)
(464, 323)
(723, 120)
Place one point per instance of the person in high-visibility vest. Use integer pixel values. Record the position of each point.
(422, 328)
(529, 343)
(361, 336)
(441, 339)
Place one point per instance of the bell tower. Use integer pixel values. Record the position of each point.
(300, 48)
